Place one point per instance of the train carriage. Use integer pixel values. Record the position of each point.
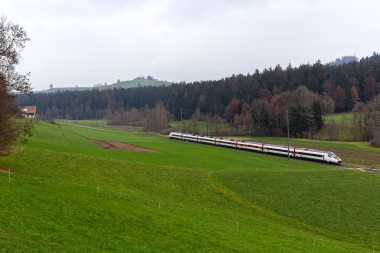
(278, 150)
(226, 143)
(252, 146)
(207, 140)
(190, 137)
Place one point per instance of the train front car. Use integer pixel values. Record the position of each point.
(333, 158)
(175, 135)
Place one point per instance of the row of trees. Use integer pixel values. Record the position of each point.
(363, 124)
(301, 108)
(152, 119)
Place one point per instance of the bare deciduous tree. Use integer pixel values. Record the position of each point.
(12, 41)
(156, 119)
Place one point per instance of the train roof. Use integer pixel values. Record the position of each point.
(315, 150)
(251, 142)
(278, 146)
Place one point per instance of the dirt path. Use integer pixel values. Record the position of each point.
(370, 170)
(121, 146)
(7, 171)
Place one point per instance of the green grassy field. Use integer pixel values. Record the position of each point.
(337, 117)
(100, 123)
(66, 194)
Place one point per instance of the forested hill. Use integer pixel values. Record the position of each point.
(343, 60)
(307, 89)
(137, 82)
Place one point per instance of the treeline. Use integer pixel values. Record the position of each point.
(305, 93)
(363, 124)
(151, 119)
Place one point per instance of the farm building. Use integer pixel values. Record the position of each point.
(28, 111)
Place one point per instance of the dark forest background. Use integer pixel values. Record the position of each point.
(260, 102)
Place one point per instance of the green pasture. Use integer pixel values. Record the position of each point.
(99, 123)
(88, 122)
(337, 117)
(203, 127)
(66, 194)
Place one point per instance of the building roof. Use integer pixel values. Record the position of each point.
(28, 109)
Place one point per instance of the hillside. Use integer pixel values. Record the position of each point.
(66, 194)
(137, 82)
(343, 60)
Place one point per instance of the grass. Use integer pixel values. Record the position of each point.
(311, 197)
(100, 123)
(337, 117)
(69, 195)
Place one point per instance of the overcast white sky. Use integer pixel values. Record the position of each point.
(87, 42)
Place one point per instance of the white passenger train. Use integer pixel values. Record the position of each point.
(303, 153)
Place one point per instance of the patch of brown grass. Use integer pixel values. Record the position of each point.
(121, 146)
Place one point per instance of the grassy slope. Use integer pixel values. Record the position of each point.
(72, 196)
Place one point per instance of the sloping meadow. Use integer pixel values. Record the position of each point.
(66, 194)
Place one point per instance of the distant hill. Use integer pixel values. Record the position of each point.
(343, 60)
(137, 82)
